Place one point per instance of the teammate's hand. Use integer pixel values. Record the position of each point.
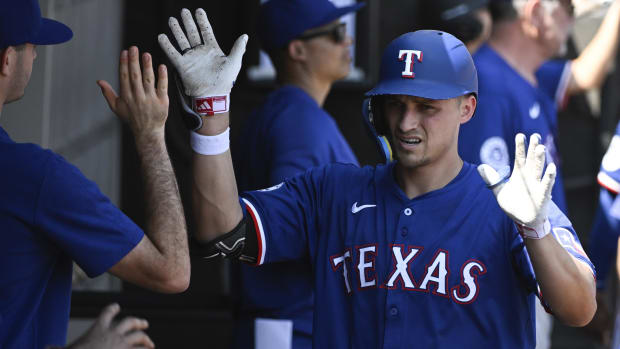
(525, 196)
(203, 67)
(108, 334)
(142, 105)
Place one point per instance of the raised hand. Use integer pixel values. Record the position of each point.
(109, 334)
(142, 105)
(525, 196)
(204, 69)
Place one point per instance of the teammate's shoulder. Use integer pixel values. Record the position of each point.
(24, 163)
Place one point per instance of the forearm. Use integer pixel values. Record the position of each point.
(215, 196)
(589, 69)
(165, 220)
(567, 284)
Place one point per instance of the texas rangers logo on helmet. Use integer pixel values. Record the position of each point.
(407, 56)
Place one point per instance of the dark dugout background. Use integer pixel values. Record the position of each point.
(202, 316)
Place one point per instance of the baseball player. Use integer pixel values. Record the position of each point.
(51, 215)
(415, 253)
(520, 90)
(606, 228)
(287, 134)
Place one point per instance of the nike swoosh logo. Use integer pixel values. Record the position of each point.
(356, 209)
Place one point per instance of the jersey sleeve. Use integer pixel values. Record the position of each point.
(286, 216)
(483, 139)
(317, 142)
(562, 230)
(81, 221)
(604, 236)
(553, 78)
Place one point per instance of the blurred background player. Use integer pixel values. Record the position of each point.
(470, 21)
(606, 227)
(287, 135)
(51, 215)
(521, 90)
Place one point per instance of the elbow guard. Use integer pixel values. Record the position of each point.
(240, 243)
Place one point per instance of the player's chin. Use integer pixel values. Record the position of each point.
(410, 161)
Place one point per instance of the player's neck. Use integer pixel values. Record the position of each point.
(423, 179)
(314, 87)
(518, 50)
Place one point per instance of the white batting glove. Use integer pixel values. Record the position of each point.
(207, 74)
(525, 196)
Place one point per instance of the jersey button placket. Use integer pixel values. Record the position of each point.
(404, 231)
(394, 311)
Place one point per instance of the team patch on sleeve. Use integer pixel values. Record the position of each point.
(494, 152)
(260, 232)
(571, 245)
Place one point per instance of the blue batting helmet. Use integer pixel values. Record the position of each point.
(426, 63)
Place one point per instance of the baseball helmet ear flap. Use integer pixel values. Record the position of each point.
(375, 125)
(375, 115)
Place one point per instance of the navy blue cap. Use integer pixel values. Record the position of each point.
(281, 21)
(426, 63)
(21, 22)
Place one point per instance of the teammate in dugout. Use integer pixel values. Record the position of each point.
(605, 233)
(289, 133)
(419, 252)
(51, 215)
(521, 88)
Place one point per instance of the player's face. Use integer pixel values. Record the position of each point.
(329, 52)
(424, 131)
(558, 24)
(20, 75)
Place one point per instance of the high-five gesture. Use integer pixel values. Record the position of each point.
(207, 73)
(141, 104)
(525, 196)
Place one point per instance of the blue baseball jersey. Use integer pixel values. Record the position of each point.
(507, 105)
(445, 268)
(287, 135)
(50, 216)
(606, 228)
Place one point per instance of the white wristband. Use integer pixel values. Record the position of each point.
(210, 145)
(211, 105)
(535, 233)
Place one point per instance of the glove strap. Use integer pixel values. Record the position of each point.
(537, 232)
(211, 105)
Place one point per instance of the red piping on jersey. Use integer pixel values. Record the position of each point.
(258, 235)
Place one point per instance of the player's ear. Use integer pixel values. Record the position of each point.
(533, 18)
(297, 50)
(467, 107)
(7, 60)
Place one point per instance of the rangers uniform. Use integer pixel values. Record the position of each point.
(445, 267)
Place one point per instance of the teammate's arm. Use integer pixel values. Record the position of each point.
(206, 74)
(160, 261)
(589, 69)
(566, 283)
